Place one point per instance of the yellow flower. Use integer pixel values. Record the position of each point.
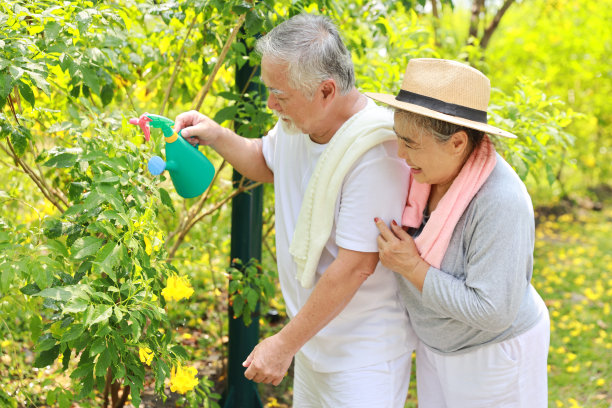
(177, 288)
(5, 343)
(186, 336)
(183, 379)
(146, 355)
(148, 246)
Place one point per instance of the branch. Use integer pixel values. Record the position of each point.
(177, 67)
(35, 178)
(198, 206)
(436, 21)
(49, 192)
(477, 7)
(204, 91)
(193, 221)
(270, 222)
(486, 37)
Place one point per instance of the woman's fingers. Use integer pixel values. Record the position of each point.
(385, 232)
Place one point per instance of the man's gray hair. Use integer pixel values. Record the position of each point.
(311, 47)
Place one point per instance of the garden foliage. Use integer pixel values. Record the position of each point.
(101, 264)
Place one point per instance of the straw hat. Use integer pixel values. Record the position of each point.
(445, 90)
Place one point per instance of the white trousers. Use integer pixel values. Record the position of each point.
(509, 374)
(383, 385)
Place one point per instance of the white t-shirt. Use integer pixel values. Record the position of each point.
(373, 327)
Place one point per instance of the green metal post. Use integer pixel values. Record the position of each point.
(246, 244)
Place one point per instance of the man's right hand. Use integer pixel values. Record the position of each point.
(245, 155)
(197, 128)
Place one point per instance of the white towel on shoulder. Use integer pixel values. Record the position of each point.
(369, 127)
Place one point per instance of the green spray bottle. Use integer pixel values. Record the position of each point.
(191, 172)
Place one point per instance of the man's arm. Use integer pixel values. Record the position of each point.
(245, 155)
(270, 359)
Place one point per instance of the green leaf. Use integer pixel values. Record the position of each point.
(47, 357)
(238, 305)
(19, 139)
(82, 370)
(16, 72)
(252, 297)
(35, 327)
(135, 394)
(46, 343)
(227, 113)
(30, 289)
(242, 7)
(98, 346)
(103, 363)
(118, 313)
(76, 305)
(253, 22)
(88, 383)
(73, 333)
(40, 82)
(165, 199)
(93, 200)
(180, 352)
(6, 86)
(86, 246)
(100, 314)
(41, 276)
(52, 29)
(26, 92)
(62, 160)
(90, 78)
(108, 258)
(52, 228)
(56, 247)
(65, 399)
(106, 95)
(55, 294)
(66, 358)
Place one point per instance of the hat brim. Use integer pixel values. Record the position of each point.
(391, 101)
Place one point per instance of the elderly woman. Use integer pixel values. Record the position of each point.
(464, 249)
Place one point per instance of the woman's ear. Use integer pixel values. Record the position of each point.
(460, 142)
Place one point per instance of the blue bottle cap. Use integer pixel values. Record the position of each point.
(156, 165)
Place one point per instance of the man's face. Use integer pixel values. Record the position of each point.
(296, 111)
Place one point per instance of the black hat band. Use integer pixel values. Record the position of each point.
(442, 107)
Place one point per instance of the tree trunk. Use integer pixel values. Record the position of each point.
(486, 36)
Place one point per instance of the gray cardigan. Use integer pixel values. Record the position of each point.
(482, 292)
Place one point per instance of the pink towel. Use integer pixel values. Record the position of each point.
(436, 235)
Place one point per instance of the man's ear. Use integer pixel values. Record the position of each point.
(328, 89)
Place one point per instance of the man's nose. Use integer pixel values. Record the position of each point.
(273, 103)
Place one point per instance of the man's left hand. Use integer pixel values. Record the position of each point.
(269, 361)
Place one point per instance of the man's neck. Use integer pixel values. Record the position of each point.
(342, 110)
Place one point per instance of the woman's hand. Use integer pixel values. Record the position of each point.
(397, 251)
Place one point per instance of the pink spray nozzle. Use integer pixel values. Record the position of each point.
(142, 121)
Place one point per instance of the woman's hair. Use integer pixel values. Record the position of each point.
(439, 129)
(313, 51)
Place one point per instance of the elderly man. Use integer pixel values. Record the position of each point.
(332, 159)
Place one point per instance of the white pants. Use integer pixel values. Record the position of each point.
(383, 385)
(511, 373)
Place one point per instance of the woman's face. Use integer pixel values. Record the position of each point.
(430, 161)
